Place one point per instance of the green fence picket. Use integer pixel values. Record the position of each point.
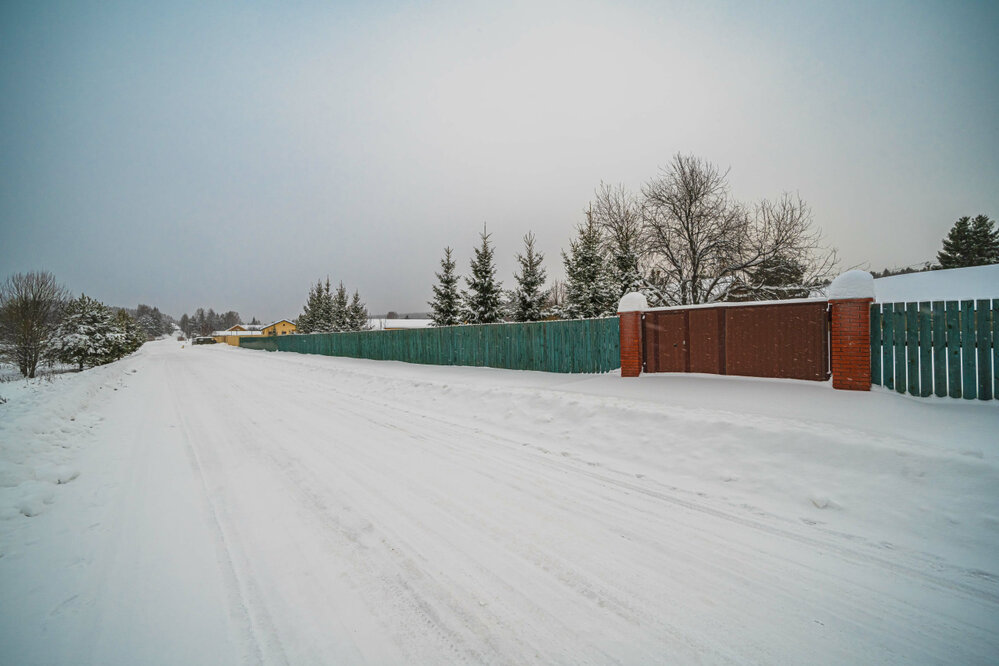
(925, 350)
(969, 383)
(983, 315)
(912, 348)
(898, 318)
(954, 349)
(939, 350)
(888, 345)
(876, 343)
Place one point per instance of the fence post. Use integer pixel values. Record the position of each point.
(629, 312)
(850, 298)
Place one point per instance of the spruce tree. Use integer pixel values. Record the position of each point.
(445, 308)
(309, 319)
(483, 300)
(970, 243)
(339, 315)
(589, 286)
(527, 301)
(357, 314)
(325, 319)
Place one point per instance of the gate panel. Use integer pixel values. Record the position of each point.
(665, 341)
(706, 340)
(787, 341)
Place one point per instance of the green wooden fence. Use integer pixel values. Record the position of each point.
(937, 348)
(578, 345)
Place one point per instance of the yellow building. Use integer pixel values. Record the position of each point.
(231, 335)
(282, 327)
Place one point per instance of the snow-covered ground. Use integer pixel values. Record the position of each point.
(216, 505)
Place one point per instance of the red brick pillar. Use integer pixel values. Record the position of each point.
(851, 344)
(631, 343)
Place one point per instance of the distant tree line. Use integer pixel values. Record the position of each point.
(42, 324)
(332, 311)
(205, 322)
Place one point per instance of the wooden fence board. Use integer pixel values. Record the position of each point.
(898, 317)
(995, 348)
(954, 349)
(983, 315)
(887, 348)
(939, 349)
(925, 350)
(912, 348)
(969, 383)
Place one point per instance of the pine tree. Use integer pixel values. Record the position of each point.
(446, 306)
(132, 335)
(339, 315)
(357, 314)
(88, 334)
(483, 301)
(589, 287)
(527, 301)
(970, 243)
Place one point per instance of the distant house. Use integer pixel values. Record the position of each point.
(280, 327)
(231, 335)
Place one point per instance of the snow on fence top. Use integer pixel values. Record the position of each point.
(953, 284)
(851, 284)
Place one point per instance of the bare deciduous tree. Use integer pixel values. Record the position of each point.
(689, 241)
(619, 215)
(31, 306)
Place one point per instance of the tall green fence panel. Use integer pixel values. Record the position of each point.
(943, 348)
(577, 345)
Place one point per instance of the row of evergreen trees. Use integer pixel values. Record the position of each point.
(592, 285)
(328, 311)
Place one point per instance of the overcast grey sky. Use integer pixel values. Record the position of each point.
(228, 154)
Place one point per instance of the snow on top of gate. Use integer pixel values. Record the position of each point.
(736, 304)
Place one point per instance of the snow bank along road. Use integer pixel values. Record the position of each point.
(215, 505)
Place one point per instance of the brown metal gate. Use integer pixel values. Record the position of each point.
(787, 340)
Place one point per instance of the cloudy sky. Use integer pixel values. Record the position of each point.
(228, 154)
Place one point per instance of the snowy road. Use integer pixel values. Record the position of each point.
(245, 507)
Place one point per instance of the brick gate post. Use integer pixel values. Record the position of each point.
(629, 313)
(850, 298)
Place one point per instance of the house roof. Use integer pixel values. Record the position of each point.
(278, 322)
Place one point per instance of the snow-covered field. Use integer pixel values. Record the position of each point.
(213, 505)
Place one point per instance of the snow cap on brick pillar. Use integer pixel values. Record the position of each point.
(629, 312)
(850, 296)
